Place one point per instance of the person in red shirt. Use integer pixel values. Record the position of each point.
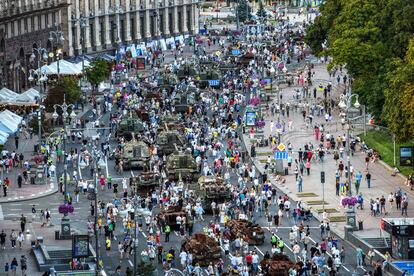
(249, 259)
(102, 182)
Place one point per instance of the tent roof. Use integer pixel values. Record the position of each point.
(6, 94)
(65, 68)
(12, 114)
(29, 96)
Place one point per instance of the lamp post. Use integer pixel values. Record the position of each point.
(97, 158)
(58, 34)
(64, 107)
(345, 104)
(41, 54)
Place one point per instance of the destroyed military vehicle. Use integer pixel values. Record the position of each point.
(209, 189)
(186, 70)
(182, 165)
(169, 216)
(244, 228)
(128, 126)
(169, 141)
(183, 101)
(278, 264)
(204, 249)
(135, 155)
(144, 184)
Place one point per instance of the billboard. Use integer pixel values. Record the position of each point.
(406, 156)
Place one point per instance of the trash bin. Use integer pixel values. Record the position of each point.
(32, 180)
(36, 148)
(360, 225)
(286, 171)
(57, 234)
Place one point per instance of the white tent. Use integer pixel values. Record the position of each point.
(29, 96)
(65, 68)
(3, 137)
(13, 115)
(6, 94)
(45, 69)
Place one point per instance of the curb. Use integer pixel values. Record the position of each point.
(52, 190)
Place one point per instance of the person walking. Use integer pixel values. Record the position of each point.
(13, 238)
(308, 166)
(359, 254)
(299, 184)
(23, 264)
(22, 223)
(404, 207)
(368, 179)
(14, 266)
(3, 240)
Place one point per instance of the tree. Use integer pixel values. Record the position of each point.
(399, 97)
(244, 11)
(97, 72)
(261, 12)
(367, 36)
(67, 88)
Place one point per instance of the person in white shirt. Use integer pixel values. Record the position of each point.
(183, 258)
(296, 251)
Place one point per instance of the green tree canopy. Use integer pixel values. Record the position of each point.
(68, 88)
(97, 72)
(367, 36)
(399, 97)
(244, 11)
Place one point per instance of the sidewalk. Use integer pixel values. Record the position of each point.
(382, 183)
(28, 191)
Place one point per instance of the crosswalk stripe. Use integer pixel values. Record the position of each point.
(1, 213)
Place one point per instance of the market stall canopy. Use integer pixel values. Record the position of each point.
(9, 124)
(65, 68)
(6, 94)
(3, 137)
(28, 97)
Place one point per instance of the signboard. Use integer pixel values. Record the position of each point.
(281, 155)
(214, 82)
(281, 147)
(406, 156)
(235, 52)
(76, 273)
(279, 127)
(267, 83)
(251, 118)
(80, 246)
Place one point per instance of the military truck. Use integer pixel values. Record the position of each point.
(135, 155)
(145, 183)
(169, 141)
(209, 189)
(128, 126)
(182, 165)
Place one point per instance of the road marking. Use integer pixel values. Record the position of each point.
(15, 204)
(132, 173)
(260, 251)
(145, 236)
(231, 256)
(175, 232)
(1, 213)
(130, 263)
(16, 209)
(103, 272)
(79, 168)
(290, 249)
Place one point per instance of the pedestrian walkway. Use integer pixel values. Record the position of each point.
(382, 183)
(28, 190)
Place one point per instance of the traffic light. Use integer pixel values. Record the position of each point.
(322, 177)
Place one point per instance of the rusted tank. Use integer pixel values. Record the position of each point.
(170, 214)
(243, 228)
(209, 189)
(145, 183)
(203, 248)
(278, 264)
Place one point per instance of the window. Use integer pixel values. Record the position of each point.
(47, 20)
(12, 28)
(101, 32)
(32, 23)
(19, 27)
(39, 22)
(54, 19)
(26, 27)
(132, 29)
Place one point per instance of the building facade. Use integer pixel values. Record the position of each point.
(88, 26)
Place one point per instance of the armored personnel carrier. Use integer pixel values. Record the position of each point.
(168, 142)
(203, 248)
(186, 70)
(182, 165)
(183, 101)
(128, 126)
(135, 155)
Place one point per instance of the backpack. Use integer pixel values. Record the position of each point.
(167, 229)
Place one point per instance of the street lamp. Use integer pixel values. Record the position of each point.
(97, 158)
(345, 103)
(64, 107)
(58, 34)
(41, 54)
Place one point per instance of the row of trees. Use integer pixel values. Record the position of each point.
(374, 39)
